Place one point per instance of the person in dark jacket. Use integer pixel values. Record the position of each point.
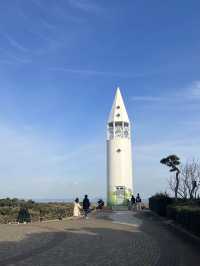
(86, 206)
(133, 202)
(138, 202)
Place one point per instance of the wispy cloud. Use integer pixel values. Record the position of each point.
(27, 157)
(91, 72)
(37, 3)
(155, 150)
(83, 72)
(9, 58)
(88, 148)
(42, 21)
(147, 156)
(193, 90)
(190, 92)
(147, 98)
(16, 44)
(49, 28)
(48, 24)
(15, 52)
(85, 5)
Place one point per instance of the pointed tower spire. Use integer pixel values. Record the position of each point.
(119, 154)
(118, 111)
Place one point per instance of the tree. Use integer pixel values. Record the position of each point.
(190, 176)
(173, 161)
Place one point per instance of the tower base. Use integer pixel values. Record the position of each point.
(120, 208)
(120, 196)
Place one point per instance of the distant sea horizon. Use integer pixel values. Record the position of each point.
(66, 200)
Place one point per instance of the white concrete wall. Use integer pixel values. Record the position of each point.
(119, 165)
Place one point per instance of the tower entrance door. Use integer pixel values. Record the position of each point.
(120, 195)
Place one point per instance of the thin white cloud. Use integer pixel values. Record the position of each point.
(37, 3)
(147, 167)
(47, 24)
(36, 164)
(11, 59)
(15, 53)
(91, 72)
(194, 90)
(191, 92)
(49, 29)
(85, 5)
(88, 148)
(15, 44)
(147, 98)
(81, 71)
(185, 148)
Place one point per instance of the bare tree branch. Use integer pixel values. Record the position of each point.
(190, 178)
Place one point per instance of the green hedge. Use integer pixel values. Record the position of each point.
(159, 202)
(183, 212)
(188, 216)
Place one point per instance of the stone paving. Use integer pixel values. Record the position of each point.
(117, 238)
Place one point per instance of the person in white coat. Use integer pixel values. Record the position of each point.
(77, 208)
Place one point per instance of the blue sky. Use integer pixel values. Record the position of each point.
(60, 62)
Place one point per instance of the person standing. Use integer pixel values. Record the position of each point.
(77, 208)
(138, 202)
(86, 206)
(133, 202)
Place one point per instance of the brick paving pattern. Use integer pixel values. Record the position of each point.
(118, 238)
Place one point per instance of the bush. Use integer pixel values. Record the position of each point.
(9, 210)
(159, 202)
(186, 215)
(184, 212)
(198, 202)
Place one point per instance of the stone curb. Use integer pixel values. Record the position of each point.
(45, 221)
(178, 229)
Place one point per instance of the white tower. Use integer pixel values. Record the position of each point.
(119, 154)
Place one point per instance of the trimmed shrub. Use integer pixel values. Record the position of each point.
(186, 215)
(171, 212)
(159, 202)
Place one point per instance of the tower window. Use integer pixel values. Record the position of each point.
(110, 124)
(118, 129)
(118, 124)
(118, 115)
(118, 107)
(119, 150)
(126, 124)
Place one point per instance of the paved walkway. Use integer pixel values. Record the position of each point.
(118, 238)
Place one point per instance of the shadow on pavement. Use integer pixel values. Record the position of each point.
(83, 246)
(176, 248)
(100, 242)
